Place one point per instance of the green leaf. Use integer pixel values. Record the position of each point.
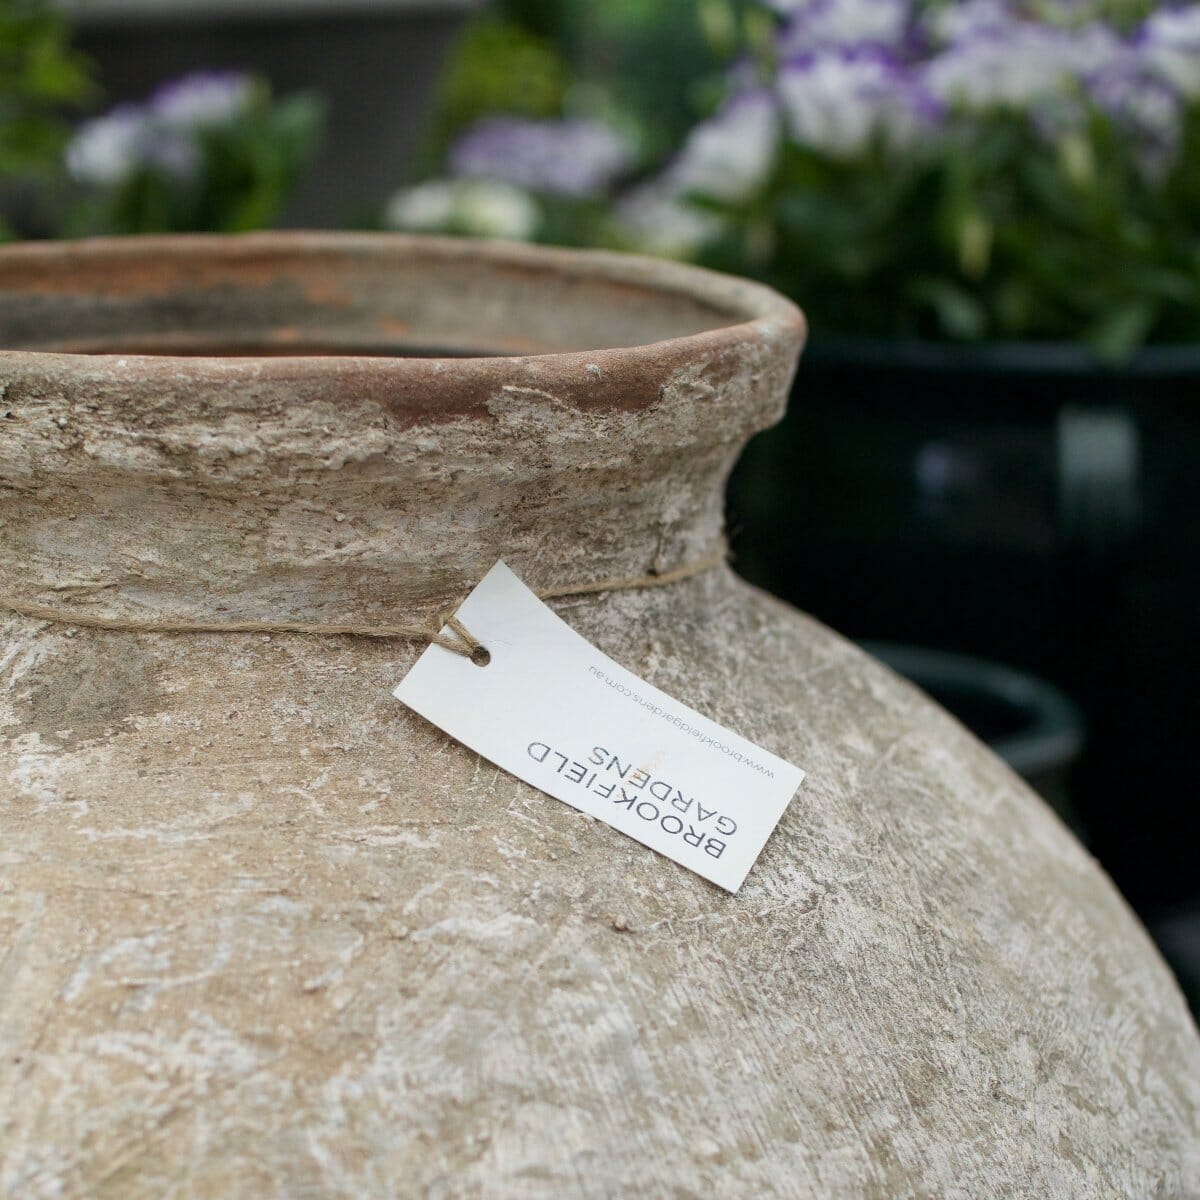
(959, 314)
(1122, 330)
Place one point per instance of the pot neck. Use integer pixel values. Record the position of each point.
(305, 498)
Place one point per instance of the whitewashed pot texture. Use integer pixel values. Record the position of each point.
(265, 932)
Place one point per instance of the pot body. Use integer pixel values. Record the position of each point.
(270, 933)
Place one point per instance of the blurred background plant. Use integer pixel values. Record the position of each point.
(211, 151)
(963, 170)
(41, 78)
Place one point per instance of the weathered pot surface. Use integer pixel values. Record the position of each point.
(269, 933)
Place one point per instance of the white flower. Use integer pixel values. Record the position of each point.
(203, 100)
(729, 156)
(837, 101)
(490, 209)
(659, 221)
(1093, 48)
(969, 19)
(1145, 106)
(726, 158)
(481, 208)
(1171, 45)
(106, 151)
(1018, 66)
(817, 24)
(423, 207)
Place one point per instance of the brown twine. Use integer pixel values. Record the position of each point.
(459, 641)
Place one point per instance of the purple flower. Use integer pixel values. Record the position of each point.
(202, 100)
(108, 150)
(160, 135)
(839, 101)
(576, 158)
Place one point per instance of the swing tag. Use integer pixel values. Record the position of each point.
(553, 710)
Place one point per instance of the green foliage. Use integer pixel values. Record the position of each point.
(993, 237)
(642, 64)
(40, 76)
(552, 58)
(499, 66)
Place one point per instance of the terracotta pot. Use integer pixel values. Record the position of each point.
(268, 933)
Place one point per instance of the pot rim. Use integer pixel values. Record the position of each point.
(756, 312)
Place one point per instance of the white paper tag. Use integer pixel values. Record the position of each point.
(554, 711)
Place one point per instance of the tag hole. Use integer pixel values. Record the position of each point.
(481, 656)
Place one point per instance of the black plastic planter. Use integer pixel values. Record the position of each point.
(1028, 722)
(1026, 504)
